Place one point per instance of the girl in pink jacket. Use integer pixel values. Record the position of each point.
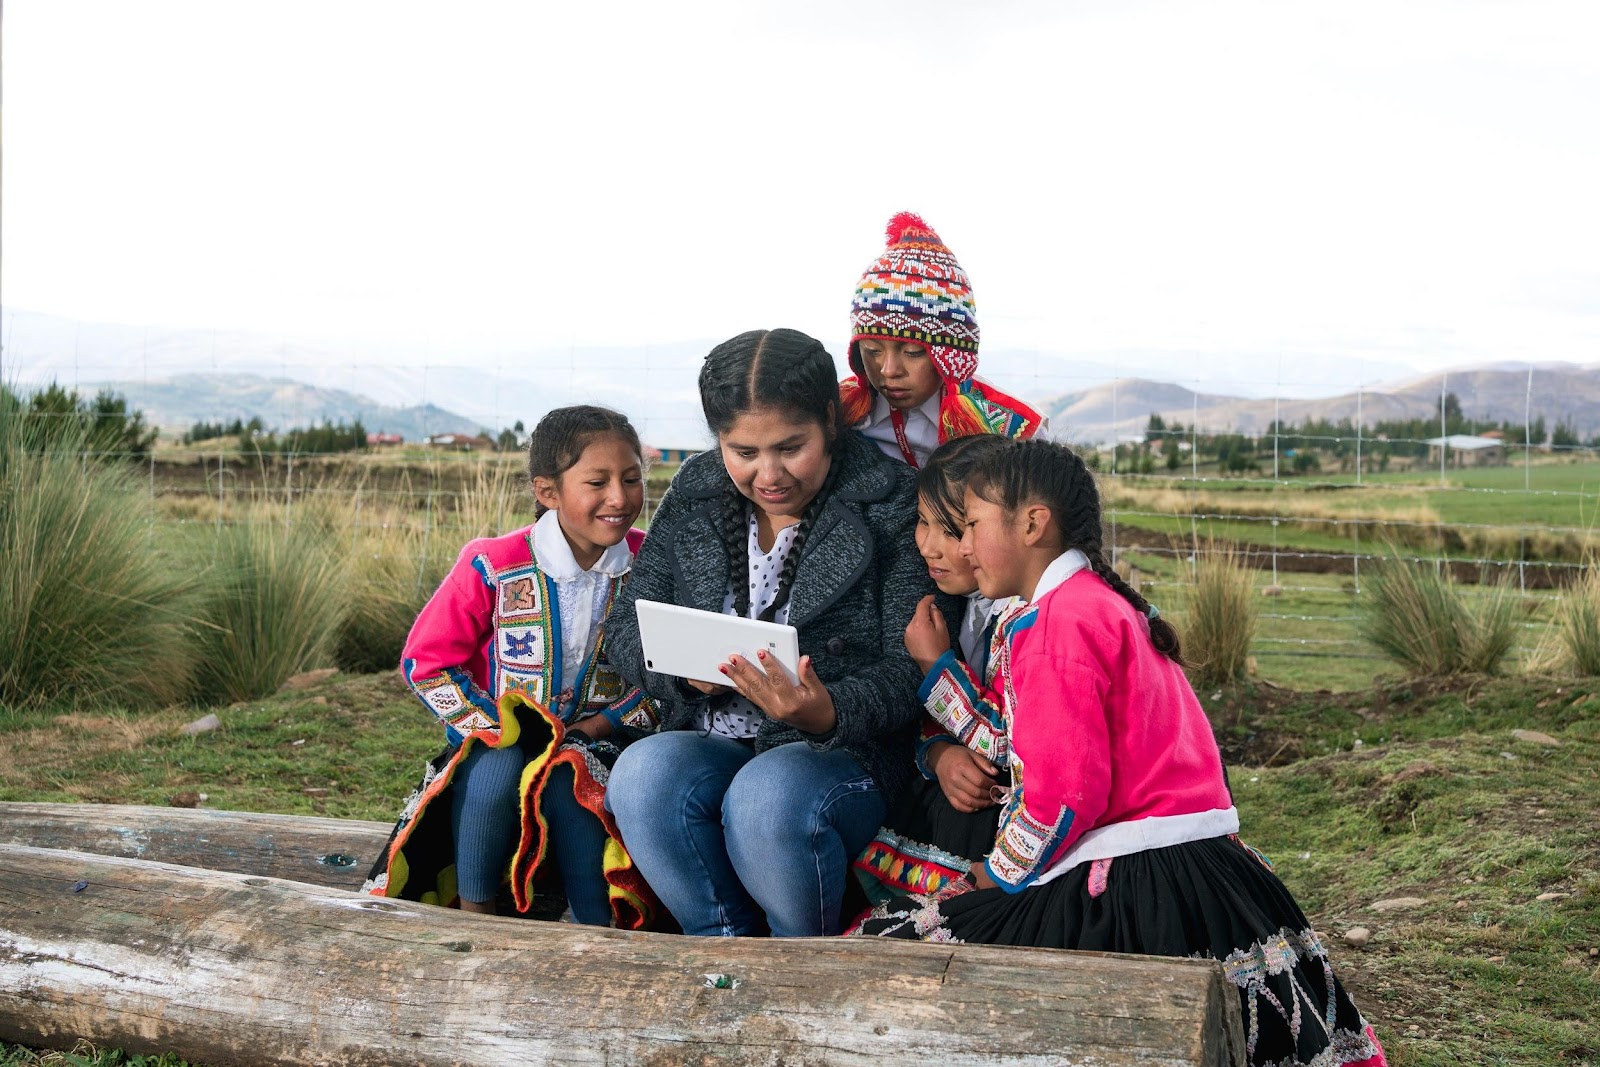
(1118, 832)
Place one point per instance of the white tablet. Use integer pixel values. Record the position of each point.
(690, 643)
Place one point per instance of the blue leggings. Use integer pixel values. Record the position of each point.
(486, 824)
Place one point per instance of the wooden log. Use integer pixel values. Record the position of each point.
(233, 969)
(326, 852)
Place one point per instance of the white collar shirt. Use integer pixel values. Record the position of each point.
(581, 595)
(921, 426)
(1061, 568)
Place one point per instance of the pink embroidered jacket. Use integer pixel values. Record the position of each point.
(494, 627)
(1111, 752)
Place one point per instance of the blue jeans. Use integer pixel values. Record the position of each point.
(486, 823)
(723, 835)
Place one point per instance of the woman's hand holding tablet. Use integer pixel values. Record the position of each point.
(694, 645)
(759, 660)
(803, 702)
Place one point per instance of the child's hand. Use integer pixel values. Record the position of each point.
(965, 776)
(804, 703)
(595, 728)
(710, 689)
(926, 636)
(980, 876)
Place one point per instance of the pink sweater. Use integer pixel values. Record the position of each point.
(1111, 751)
(494, 628)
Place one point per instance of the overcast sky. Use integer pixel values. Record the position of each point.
(1397, 181)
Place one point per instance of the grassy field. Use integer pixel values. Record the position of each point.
(1408, 789)
(1484, 512)
(405, 515)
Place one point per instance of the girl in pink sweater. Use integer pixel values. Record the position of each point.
(1118, 833)
(510, 656)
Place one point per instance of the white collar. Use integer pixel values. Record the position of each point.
(1061, 568)
(555, 555)
(979, 608)
(929, 409)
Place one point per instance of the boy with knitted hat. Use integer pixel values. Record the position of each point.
(914, 351)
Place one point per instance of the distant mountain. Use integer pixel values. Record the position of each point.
(180, 375)
(178, 402)
(1559, 391)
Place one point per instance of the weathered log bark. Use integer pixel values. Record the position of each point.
(233, 969)
(325, 852)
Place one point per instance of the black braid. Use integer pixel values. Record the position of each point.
(559, 439)
(732, 523)
(1052, 474)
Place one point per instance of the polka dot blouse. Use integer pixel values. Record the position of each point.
(738, 717)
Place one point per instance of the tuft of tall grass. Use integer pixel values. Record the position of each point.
(396, 573)
(91, 609)
(1577, 622)
(1220, 618)
(274, 599)
(397, 562)
(1418, 616)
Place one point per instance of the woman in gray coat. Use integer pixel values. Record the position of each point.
(755, 796)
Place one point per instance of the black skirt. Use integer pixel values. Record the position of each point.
(1216, 898)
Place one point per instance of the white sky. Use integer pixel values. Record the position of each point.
(1395, 181)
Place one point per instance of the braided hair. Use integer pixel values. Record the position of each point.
(793, 373)
(942, 481)
(559, 439)
(1044, 472)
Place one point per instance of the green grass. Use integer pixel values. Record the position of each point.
(1441, 803)
(1561, 493)
(357, 743)
(1413, 788)
(1308, 634)
(1425, 621)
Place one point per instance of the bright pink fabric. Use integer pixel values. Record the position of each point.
(453, 628)
(1103, 724)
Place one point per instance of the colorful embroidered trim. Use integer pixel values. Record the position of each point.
(1023, 843)
(897, 863)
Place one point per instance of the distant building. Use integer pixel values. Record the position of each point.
(376, 439)
(462, 442)
(1467, 450)
(674, 455)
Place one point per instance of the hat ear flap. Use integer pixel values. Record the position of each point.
(855, 401)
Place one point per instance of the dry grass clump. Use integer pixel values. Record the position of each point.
(91, 608)
(274, 599)
(1418, 616)
(398, 559)
(1572, 643)
(1220, 618)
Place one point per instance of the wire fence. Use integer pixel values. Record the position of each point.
(1309, 504)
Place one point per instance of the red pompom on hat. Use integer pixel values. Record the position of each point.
(916, 291)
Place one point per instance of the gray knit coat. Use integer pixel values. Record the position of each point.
(857, 582)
